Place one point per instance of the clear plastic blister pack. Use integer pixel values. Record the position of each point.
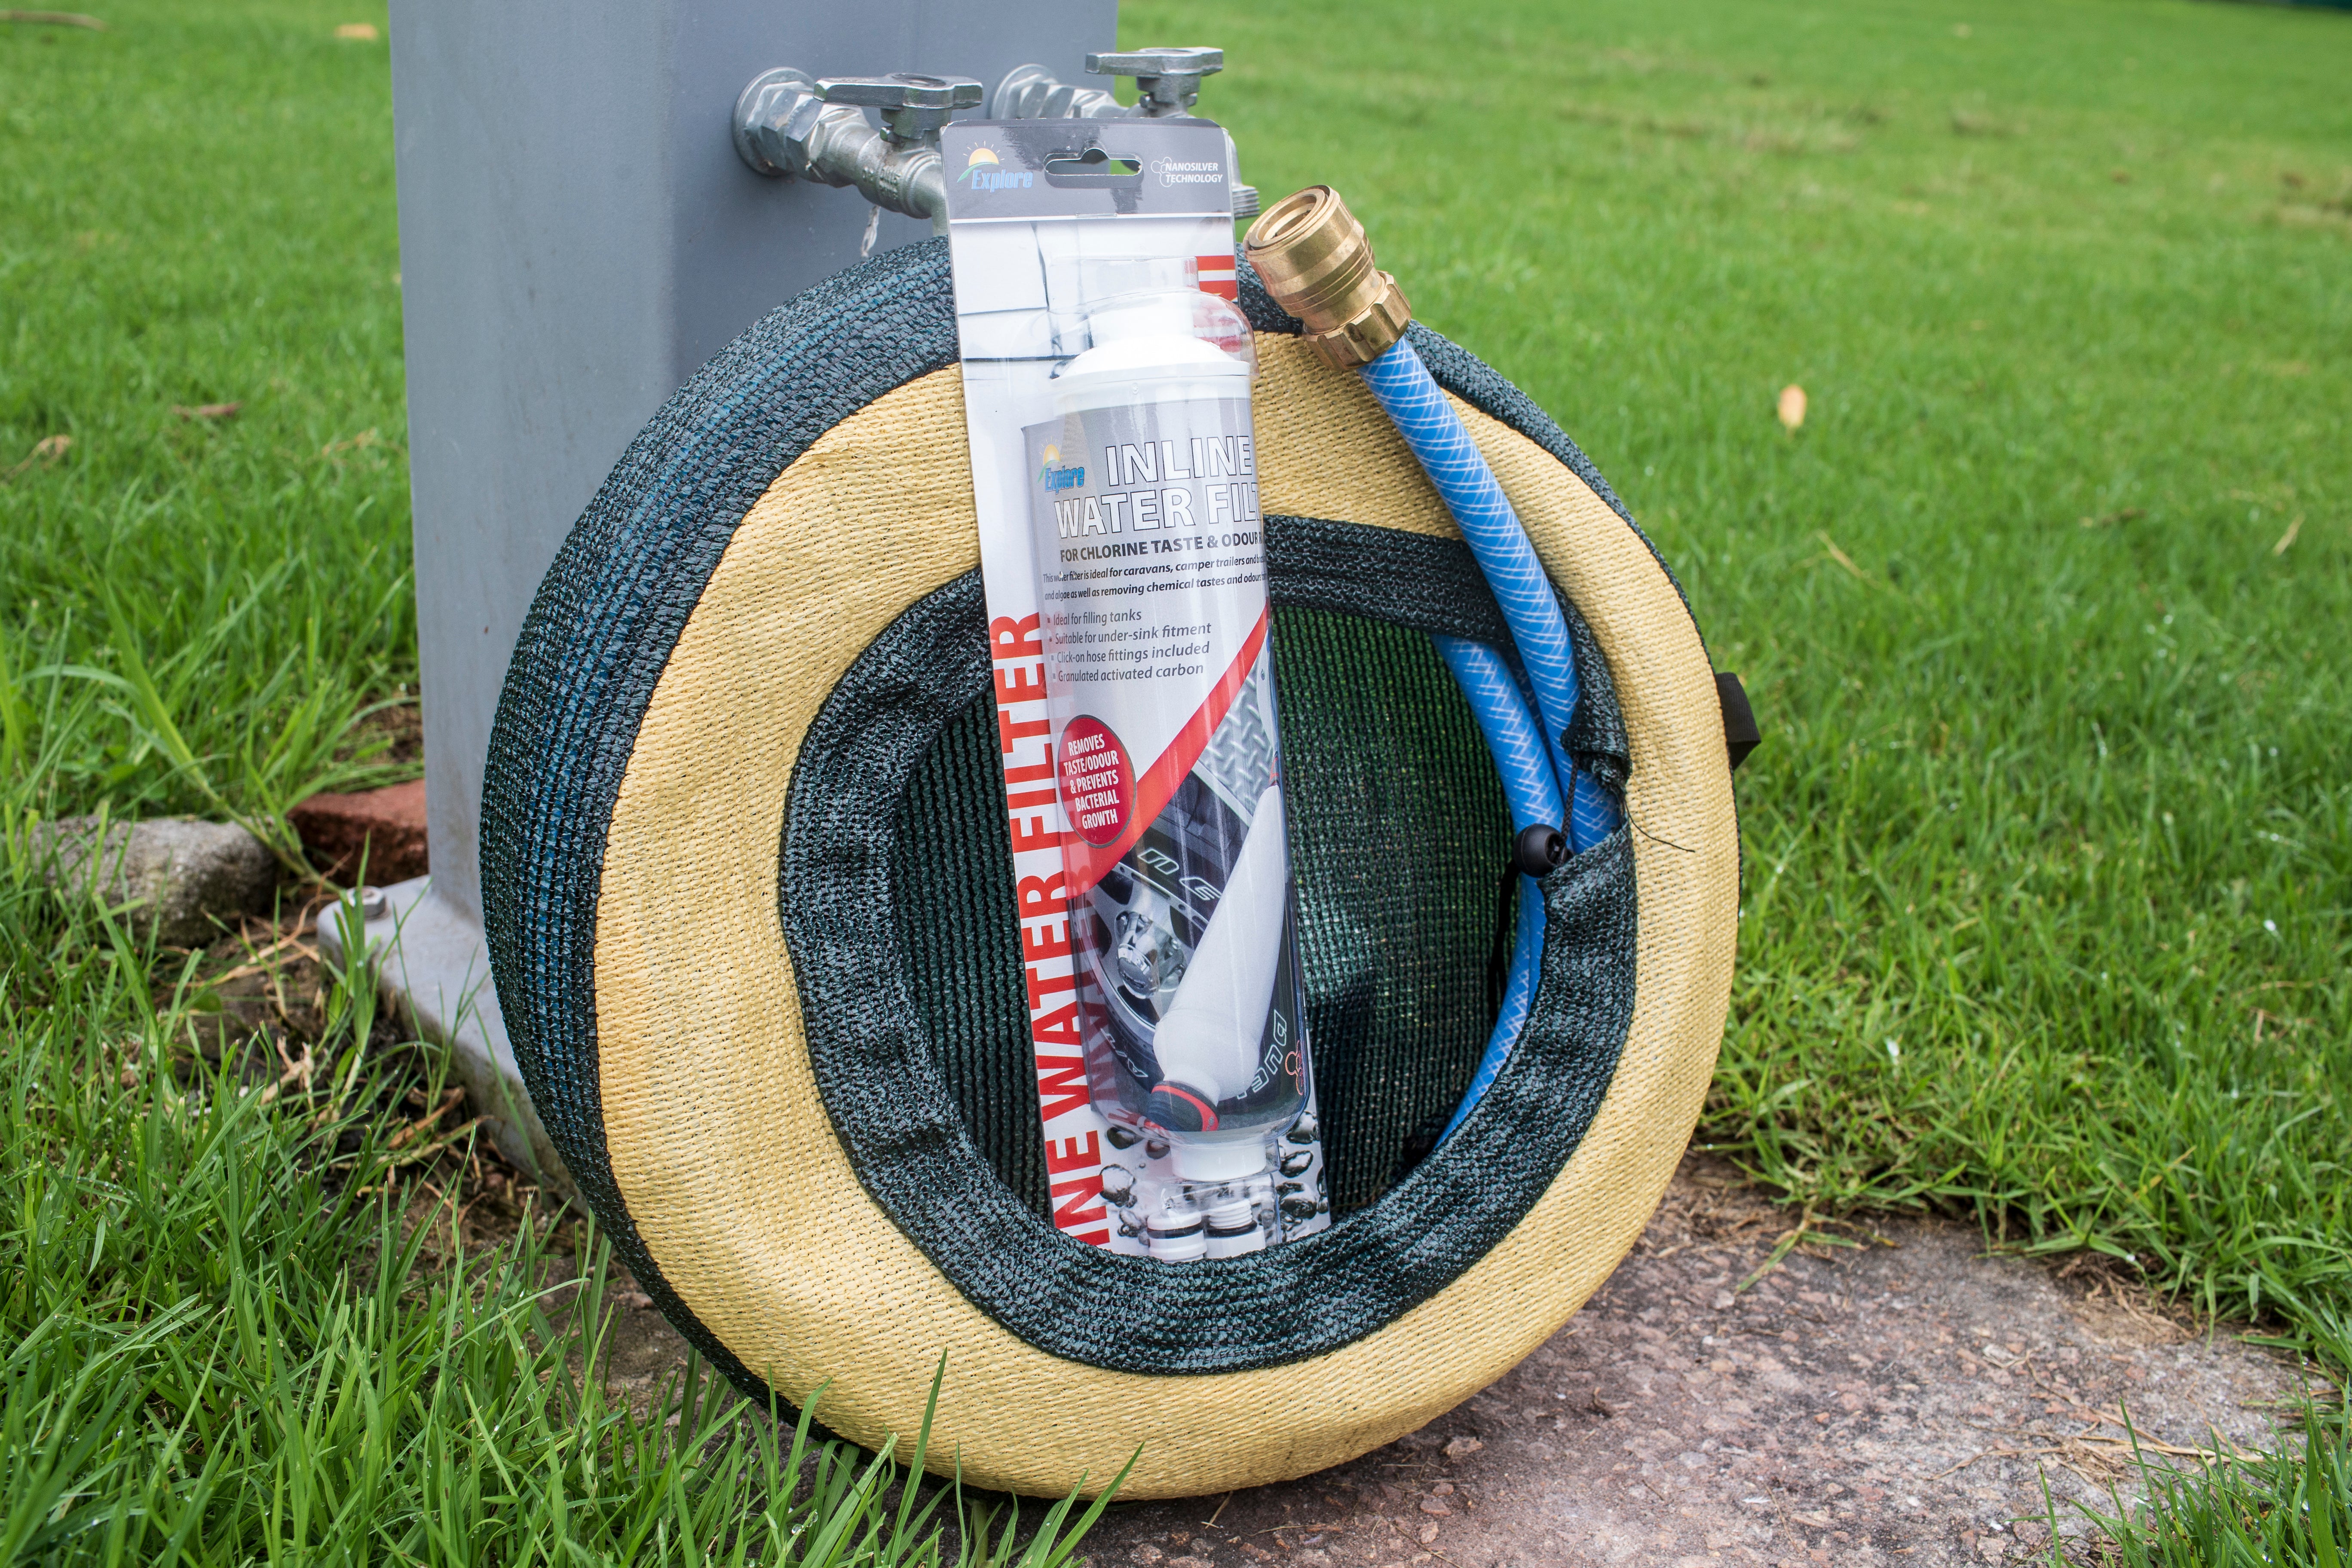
(1106, 378)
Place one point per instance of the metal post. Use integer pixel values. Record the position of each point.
(577, 236)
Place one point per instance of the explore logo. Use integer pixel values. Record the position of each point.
(982, 172)
(1058, 478)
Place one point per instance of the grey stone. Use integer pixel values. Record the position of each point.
(174, 876)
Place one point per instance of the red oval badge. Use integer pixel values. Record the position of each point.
(1097, 781)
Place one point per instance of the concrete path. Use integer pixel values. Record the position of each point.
(1894, 1403)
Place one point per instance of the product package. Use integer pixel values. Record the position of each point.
(1106, 378)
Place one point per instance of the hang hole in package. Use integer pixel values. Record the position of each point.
(1106, 375)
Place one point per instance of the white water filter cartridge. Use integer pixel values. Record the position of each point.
(1153, 613)
(1207, 1039)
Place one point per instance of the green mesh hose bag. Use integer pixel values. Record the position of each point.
(746, 877)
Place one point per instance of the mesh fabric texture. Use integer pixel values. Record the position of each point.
(615, 600)
(850, 866)
(1399, 830)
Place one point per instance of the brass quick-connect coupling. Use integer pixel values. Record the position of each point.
(1314, 259)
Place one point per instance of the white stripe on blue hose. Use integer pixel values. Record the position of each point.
(1532, 757)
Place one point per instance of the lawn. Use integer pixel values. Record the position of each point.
(2048, 850)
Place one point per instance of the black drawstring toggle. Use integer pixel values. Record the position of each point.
(1538, 849)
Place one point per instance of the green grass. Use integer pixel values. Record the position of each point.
(2294, 1507)
(2049, 849)
(2049, 846)
(221, 1337)
(196, 209)
(225, 1340)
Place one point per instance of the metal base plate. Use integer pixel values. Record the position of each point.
(431, 962)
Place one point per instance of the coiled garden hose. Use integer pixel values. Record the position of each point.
(1315, 260)
(1532, 789)
(1411, 397)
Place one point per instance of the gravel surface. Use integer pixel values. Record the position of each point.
(1896, 1401)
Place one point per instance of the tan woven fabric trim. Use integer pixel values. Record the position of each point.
(720, 1144)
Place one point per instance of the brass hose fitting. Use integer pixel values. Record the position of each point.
(1314, 257)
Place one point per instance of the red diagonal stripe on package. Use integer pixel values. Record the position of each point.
(1085, 863)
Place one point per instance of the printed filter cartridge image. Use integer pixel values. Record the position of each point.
(1154, 617)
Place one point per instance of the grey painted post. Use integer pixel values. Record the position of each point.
(577, 236)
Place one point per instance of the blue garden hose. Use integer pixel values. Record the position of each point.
(1538, 772)
(1411, 398)
(1317, 262)
(1533, 790)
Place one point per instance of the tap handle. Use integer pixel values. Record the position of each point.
(901, 89)
(913, 107)
(1192, 62)
(1167, 80)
